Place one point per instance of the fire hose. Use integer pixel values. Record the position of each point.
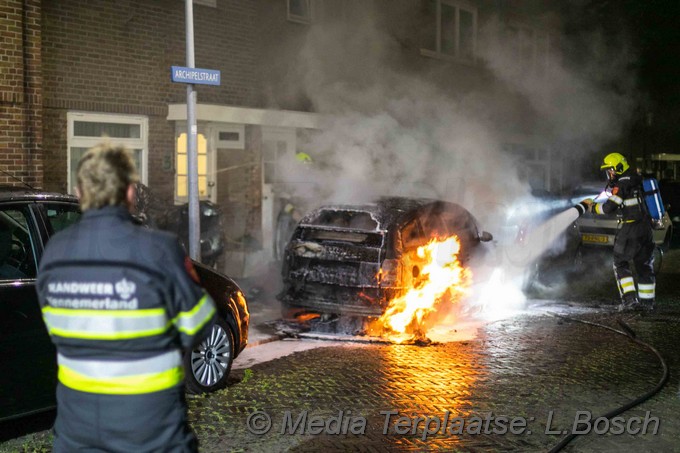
(630, 334)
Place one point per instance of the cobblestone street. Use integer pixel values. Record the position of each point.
(521, 368)
(525, 367)
(535, 366)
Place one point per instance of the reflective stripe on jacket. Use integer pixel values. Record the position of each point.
(120, 304)
(625, 196)
(122, 377)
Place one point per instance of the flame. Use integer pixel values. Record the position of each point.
(434, 280)
(307, 316)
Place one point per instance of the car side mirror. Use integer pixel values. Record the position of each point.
(486, 236)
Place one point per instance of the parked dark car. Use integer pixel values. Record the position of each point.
(156, 213)
(28, 360)
(346, 259)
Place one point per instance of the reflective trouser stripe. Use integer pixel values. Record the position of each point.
(190, 322)
(616, 199)
(646, 290)
(105, 324)
(627, 285)
(122, 377)
(598, 208)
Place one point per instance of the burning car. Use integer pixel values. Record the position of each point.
(356, 260)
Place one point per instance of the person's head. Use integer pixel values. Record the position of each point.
(106, 176)
(614, 165)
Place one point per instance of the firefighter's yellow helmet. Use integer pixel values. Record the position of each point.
(303, 157)
(615, 161)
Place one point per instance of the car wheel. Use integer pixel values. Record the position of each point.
(667, 240)
(208, 364)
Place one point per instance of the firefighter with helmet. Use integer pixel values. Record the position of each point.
(634, 241)
(121, 303)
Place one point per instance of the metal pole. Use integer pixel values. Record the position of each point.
(192, 154)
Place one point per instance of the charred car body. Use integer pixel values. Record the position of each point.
(345, 259)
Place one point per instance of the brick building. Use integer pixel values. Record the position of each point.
(20, 93)
(74, 70)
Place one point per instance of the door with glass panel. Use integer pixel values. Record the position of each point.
(206, 184)
(278, 144)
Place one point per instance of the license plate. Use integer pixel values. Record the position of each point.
(595, 238)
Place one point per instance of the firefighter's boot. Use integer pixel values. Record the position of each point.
(647, 305)
(630, 302)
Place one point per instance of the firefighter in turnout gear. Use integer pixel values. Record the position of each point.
(121, 303)
(634, 241)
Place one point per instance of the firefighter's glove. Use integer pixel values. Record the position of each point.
(585, 206)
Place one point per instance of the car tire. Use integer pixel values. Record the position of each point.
(658, 259)
(208, 364)
(666, 245)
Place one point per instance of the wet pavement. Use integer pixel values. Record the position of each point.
(541, 370)
(525, 367)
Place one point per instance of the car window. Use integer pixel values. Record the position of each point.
(412, 235)
(433, 226)
(358, 220)
(17, 253)
(61, 215)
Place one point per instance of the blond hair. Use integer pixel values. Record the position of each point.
(104, 174)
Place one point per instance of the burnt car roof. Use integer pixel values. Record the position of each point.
(18, 193)
(386, 211)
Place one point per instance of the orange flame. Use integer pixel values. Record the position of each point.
(433, 280)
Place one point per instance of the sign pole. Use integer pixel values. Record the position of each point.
(192, 154)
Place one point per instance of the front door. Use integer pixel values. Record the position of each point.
(277, 144)
(207, 189)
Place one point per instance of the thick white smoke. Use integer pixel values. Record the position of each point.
(392, 129)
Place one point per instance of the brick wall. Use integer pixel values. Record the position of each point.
(115, 57)
(20, 93)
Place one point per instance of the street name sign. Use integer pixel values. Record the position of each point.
(180, 74)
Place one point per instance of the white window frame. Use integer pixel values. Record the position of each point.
(88, 142)
(531, 63)
(301, 19)
(437, 52)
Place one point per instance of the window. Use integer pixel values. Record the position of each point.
(86, 130)
(182, 168)
(300, 11)
(61, 215)
(529, 48)
(231, 137)
(451, 30)
(412, 235)
(17, 255)
(273, 153)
